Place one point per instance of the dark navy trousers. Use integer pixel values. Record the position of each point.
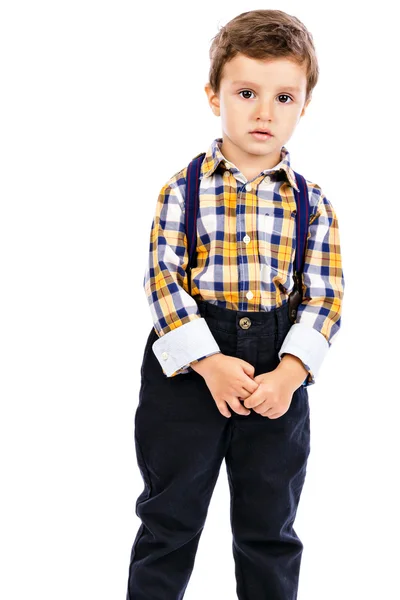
(181, 439)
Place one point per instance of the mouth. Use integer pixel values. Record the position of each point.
(261, 134)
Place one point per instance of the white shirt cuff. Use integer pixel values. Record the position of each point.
(308, 344)
(179, 347)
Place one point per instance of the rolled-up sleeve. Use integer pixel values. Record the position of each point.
(319, 314)
(184, 336)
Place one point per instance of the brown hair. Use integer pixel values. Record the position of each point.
(263, 34)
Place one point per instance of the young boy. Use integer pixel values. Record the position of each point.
(228, 340)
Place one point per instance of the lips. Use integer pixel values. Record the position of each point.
(261, 131)
(261, 136)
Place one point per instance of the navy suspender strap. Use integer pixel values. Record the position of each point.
(192, 209)
(302, 219)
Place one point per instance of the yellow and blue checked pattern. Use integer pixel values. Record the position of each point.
(245, 247)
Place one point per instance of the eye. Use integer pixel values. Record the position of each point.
(284, 96)
(246, 91)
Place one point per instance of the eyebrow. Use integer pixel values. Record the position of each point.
(292, 88)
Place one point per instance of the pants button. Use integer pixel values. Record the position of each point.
(245, 323)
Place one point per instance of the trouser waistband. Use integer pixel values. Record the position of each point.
(234, 320)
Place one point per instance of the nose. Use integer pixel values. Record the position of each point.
(265, 109)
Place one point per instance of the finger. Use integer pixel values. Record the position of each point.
(237, 407)
(244, 393)
(267, 412)
(223, 409)
(262, 407)
(271, 415)
(254, 401)
(248, 368)
(250, 384)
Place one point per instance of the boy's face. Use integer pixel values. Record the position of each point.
(254, 94)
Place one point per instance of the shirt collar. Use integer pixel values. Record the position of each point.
(214, 157)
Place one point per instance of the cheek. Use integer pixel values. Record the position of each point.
(238, 112)
(232, 114)
(293, 117)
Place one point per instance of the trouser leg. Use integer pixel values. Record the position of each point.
(181, 439)
(266, 466)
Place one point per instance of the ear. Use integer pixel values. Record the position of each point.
(213, 99)
(303, 112)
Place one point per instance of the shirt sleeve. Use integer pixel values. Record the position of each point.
(184, 336)
(319, 314)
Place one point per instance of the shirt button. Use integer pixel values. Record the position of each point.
(226, 173)
(164, 355)
(246, 239)
(249, 295)
(267, 179)
(248, 187)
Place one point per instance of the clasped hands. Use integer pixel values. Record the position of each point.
(275, 391)
(229, 378)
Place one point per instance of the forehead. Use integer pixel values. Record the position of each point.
(268, 73)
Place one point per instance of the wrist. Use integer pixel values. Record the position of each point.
(203, 364)
(292, 370)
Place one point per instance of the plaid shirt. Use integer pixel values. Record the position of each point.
(245, 255)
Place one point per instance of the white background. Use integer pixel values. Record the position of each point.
(101, 102)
